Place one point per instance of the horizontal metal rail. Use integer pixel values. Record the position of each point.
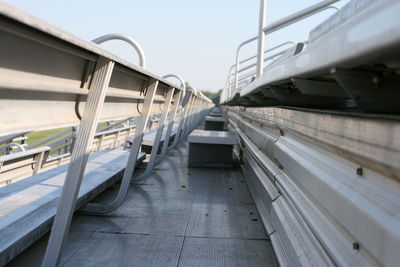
(50, 137)
(300, 15)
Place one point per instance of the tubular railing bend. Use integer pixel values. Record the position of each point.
(247, 75)
(157, 138)
(172, 119)
(250, 58)
(183, 84)
(102, 209)
(129, 40)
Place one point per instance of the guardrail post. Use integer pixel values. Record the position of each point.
(100, 142)
(191, 116)
(76, 167)
(261, 37)
(38, 162)
(182, 122)
(157, 138)
(100, 209)
(170, 126)
(197, 114)
(188, 114)
(116, 138)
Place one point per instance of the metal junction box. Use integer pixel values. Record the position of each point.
(214, 123)
(211, 148)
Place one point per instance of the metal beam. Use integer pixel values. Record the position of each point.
(67, 202)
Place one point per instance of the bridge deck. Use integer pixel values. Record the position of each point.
(179, 217)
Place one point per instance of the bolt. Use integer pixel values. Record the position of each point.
(280, 166)
(359, 171)
(356, 246)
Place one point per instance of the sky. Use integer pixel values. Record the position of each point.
(194, 39)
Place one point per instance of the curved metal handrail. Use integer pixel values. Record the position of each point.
(183, 84)
(250, 58)
(129, 40)
(247, 75)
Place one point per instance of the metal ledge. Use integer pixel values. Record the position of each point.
(29, 206)
(330, 210)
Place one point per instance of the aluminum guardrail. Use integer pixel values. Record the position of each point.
(264, 30)
(76, 83)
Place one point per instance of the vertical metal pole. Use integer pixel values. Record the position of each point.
(237, 69)
(182, 122)
(198, 113)
(38, 163)
(76, 167)
(157, 138)
(100, 209)
(195, 114)
(192, 115)
(188, 117)
(170, 126)
(117, 139)
(261, 37)
(100, 142)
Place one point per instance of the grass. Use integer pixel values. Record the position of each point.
(38, 135)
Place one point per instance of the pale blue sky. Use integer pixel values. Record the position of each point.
(194, 39)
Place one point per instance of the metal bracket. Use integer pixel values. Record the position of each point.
(76, 167)
(157, 138)
(101, 209)
(371, 91)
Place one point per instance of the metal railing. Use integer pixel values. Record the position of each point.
(19, 165)
(90, 85)
(129, 40)
(82, 145)
(264, 30)
(230, 82)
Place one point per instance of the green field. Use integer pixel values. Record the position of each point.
(37, 135)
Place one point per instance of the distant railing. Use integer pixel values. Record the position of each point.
(264, 30)
(230, 83)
